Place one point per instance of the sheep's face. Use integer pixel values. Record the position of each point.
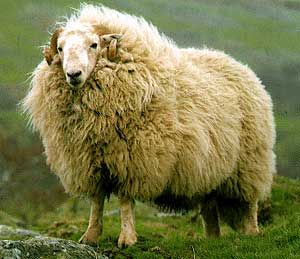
(78, 51)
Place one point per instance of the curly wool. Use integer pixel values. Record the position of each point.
(174, 122)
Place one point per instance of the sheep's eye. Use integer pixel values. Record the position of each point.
(59, 49)
(94, 46)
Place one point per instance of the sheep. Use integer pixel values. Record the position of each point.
(121, 109)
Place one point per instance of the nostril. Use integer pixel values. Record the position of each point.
(78, 73)
(74, 74)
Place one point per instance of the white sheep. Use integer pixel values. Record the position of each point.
(121, 109)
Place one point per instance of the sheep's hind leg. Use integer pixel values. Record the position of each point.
(128, 235)
(209, 212)
(94, 230)
(248, 224)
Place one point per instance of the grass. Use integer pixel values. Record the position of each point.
(180, 237)
(288, 144)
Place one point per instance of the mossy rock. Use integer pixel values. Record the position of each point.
(46, 247)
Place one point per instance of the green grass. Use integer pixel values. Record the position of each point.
(288, 145)
(179, 237)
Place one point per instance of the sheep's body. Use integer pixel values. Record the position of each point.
(174, 123)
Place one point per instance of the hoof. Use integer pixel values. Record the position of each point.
(126, 240)
(252, 231)
(90, 237)
(249, 230)
(86, 241)
(213, 234)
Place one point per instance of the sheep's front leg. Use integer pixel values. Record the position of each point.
(128, 235)
(94, 229)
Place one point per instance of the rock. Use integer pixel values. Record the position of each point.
(7, 232)
(38, 246)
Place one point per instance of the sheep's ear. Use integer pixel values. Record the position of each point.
(51, 51)
(48, 55)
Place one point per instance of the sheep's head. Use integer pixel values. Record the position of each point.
(77, 50)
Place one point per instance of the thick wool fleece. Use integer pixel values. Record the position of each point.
(181, 122)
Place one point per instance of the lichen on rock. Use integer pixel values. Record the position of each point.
(38, 246)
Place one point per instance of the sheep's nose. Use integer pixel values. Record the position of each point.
(74, 74)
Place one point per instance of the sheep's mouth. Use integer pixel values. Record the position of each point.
(75, 82)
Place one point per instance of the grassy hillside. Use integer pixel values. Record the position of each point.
(181, 237)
